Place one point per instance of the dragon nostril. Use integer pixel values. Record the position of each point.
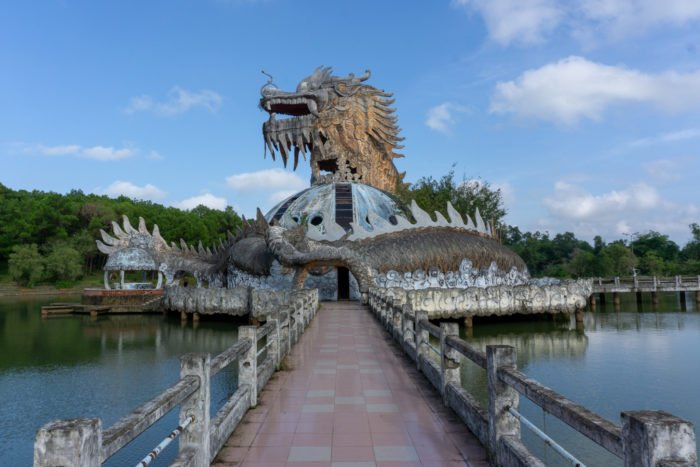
(316, 220)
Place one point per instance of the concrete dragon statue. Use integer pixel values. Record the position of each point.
(347, 220)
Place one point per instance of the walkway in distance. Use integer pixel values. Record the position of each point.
(350, 398)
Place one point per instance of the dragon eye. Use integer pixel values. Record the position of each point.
(303, 86)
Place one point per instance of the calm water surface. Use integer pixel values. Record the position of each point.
(619, 361)
(72, 366)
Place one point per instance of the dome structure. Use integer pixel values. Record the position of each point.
(330, 210)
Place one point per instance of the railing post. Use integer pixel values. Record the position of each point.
(196, 436)
(275, 344)
(69, 442)
(651, 437)
(449, 358)
(501, 396)
(248, 362)
(409, 324)
(422, 338)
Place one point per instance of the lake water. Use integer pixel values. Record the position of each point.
(619, 361)
(73, 367)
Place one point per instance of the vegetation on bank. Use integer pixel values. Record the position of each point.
(49, 237)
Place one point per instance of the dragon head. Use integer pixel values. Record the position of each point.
(347, 127)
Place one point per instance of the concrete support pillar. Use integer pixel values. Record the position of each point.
(469, 322)
(579, 317)
(592, 302)
(654, 438)
(501, 396)
(183, 316)
(106, 280)
(397, 312)
(616, 299)
(69, 442)
(248, 362)
(449, 358)
(697, 297)
(682, 298)
(121, 280)
(195, 317)
(639, 301)
(654, 298)
(422, 338)
(196, 436)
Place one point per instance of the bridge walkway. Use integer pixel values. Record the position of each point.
(348, 397)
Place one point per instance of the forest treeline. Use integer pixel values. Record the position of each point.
(47, 236)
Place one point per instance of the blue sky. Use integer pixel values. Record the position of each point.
(586, 114)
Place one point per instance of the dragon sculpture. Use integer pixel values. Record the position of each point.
(347, 127)
(346, 219)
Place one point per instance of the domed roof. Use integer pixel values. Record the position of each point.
(330, 209)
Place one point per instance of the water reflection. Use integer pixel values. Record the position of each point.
(617, 361)
(74, 366)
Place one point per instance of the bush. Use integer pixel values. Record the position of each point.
(25, 265)
(64, 263)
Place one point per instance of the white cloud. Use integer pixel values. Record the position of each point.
(207, 199)
(663, 170)
(572, 202)
(124, 188)
(631, 17)
(442, 117)
(517, 21)
(269, 179)
(574, 88)
(178, 102)
(636, 208)
(275, 184)
(527, 22)
(100, 153)
(671, 137)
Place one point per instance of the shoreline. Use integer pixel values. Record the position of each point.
(16, 291)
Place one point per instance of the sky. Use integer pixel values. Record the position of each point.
(585, 114)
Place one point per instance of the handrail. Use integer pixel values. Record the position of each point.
(430, 327)
(469, 351)
(501, 435)
(129, 427)
(229, 355)
(83, 442)
(600, 430)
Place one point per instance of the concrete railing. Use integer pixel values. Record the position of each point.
(646, 284)
(258, 352)
(645, 438)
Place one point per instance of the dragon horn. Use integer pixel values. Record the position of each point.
(121, 235)
(108, 239)
(127, 225)
(261, 225)
(142, 226)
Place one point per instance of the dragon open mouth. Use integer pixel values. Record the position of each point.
(294, 130)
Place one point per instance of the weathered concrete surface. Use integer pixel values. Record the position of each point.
(651, 438)
(442, 303)
(235, 302)
(69, 442)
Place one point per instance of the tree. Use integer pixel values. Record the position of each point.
(621, 257)
(432, 195)
(654, 242)
(25, 265)
(64, 263)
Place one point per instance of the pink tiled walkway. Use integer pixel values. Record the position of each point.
(350, 398)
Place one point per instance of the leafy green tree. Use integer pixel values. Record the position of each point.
(583, 264)
(654, 242)
(64, 263)
(432, 195)
(621, 258)
(25, 265)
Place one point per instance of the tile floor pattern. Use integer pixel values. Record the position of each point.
(350, 398)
